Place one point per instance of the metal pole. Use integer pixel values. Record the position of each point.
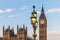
(34, 35)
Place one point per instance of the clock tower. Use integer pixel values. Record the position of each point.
(42, 26)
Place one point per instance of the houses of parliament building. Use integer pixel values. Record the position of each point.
(8, 34)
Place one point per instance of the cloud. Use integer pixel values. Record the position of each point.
(53, 10)
(39, 12)
(6, 10)
(24, 7)
(12, 16)
(2, 11)
(53, 36)
(50, 10)
(9, 10)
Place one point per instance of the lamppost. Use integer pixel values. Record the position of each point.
(34, 22)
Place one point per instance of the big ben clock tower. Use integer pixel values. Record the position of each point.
(42, 26)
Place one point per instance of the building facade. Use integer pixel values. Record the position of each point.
(8, 34)
(42, 26)
(1, 38)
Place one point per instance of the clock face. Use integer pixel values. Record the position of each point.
(6, 36)
(42, 22)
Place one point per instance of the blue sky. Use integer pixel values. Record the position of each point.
(13, 12)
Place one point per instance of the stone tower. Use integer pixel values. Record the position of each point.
(6, 33)
(22, 33)
(42, 26)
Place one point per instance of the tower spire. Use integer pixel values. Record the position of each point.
(42, 10)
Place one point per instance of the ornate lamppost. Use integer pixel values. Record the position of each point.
(34, 22)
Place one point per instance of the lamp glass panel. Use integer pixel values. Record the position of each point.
(35, 15)
(33, 20)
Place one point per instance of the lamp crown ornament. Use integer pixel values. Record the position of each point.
(33, 8)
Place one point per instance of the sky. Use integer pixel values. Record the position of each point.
(13, 12)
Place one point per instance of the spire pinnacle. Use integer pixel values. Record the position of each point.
(17, 26)
(3, 28)
(33, 8)
(12, 29)
(42, 8)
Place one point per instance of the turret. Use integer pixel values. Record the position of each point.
(3, 28)
(8, 27)
(23, 27)
(17, 27)
(42, 11)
